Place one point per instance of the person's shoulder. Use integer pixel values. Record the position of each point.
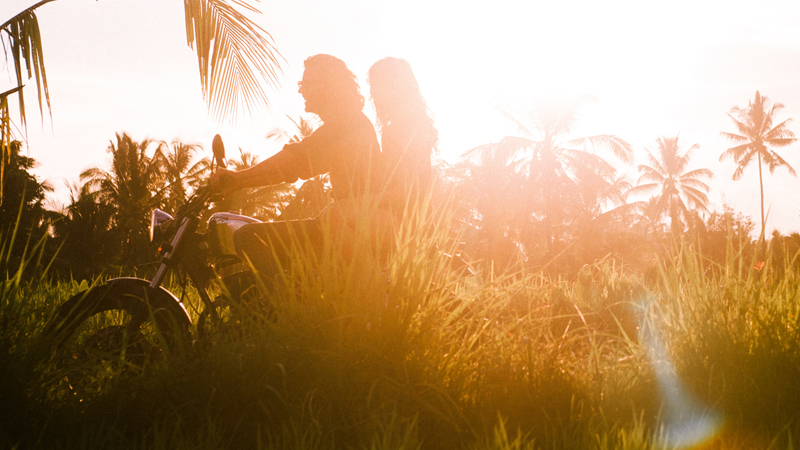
(357, 122)
(345, 115)
(356, 118)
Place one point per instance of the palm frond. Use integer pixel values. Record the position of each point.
(512, 114)
(776, 161)
(642, 189)
(25, 46)
(733, 137)
(508, 149)
(5, 135)
(649, 175)
(734, 153)
(655, 164)
(737, 174)
(582, 160)
(618, 147)
(697, 197)
(780, 132)
(233, 54)
(741, 121)
(694, 174)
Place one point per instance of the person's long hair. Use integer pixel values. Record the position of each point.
(342, 90)
(397, 99)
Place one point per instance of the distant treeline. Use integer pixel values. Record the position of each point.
(544, 200)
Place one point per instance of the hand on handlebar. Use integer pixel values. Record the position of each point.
(223, 181)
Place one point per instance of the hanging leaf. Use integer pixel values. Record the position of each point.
(21, 37)
(5, 135)
(234, 55)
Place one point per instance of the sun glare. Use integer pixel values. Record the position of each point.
(619, 53)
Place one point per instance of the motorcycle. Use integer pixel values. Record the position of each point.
(136, 317)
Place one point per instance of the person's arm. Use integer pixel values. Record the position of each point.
(280, 168)
(304, 159)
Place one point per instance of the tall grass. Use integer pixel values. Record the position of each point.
(411, 352)
(26, 302)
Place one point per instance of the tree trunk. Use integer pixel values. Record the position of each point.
(762, 237)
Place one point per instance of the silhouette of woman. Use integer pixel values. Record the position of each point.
(408, 136)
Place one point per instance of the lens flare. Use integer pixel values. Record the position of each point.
(687, 422)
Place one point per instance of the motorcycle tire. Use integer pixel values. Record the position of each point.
(123, 323)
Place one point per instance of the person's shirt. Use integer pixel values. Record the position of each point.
(345, 147)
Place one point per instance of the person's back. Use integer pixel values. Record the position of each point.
(408, 136)
(406, 157)
(345, 147)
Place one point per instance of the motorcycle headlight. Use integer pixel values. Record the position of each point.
(159, 222)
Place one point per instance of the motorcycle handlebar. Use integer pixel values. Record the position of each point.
(209, 192)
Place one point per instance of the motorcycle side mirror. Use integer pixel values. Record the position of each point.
(218, 148)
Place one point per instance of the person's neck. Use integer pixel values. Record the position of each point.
(325, 115)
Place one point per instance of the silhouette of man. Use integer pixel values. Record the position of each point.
(344, 147)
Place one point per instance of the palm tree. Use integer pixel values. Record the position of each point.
(563, 175)
(180, 171)
(133, 186)
(490, 182)
(756, 135)
(234, 55)
(86, 234)
(677, 191)
(23, 207)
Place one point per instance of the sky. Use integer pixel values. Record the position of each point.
(654, 69)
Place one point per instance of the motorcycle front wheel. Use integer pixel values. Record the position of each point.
(113, 329)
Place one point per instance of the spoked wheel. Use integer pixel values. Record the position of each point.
(114, 329)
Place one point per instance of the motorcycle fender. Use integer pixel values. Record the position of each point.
(159, 297)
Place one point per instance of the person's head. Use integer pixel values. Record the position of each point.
(395, 92)
(329, 86)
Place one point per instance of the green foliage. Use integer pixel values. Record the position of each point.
(26, 302)
(89, 241)
(415, 353)
(23, 218)
(134, 187)
(528, 198)
(105, 226)
(235, 57)
(412, 351)
(23, 196)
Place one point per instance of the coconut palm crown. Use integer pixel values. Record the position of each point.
(755, 136)
(677, 191)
